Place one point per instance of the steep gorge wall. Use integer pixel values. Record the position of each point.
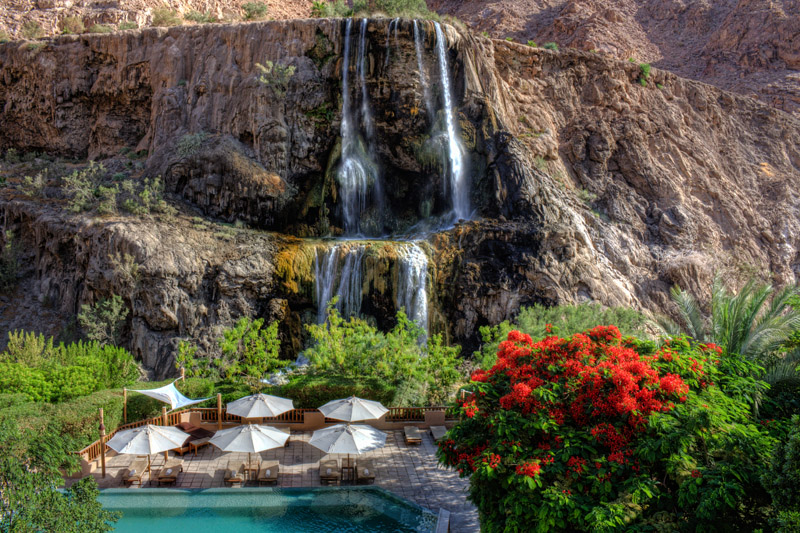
(587, 185)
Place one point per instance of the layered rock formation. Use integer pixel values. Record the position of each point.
(586, 183)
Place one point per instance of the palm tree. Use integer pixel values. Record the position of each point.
(756, 322)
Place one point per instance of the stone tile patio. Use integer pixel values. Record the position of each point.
(411, 472)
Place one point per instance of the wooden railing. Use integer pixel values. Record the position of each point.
(296, 416)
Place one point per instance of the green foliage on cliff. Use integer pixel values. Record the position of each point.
(30, 477)
(564, 320)
(33, 366)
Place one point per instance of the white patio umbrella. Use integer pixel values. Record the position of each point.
(260, 405)
(147, 440)
(353, 409)
(249, 438)
(348, 438)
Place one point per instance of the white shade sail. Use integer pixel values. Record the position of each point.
(146, 440)
(249, 438)
(346, 438)
(260, 405)
(353, 409)
(171, 395)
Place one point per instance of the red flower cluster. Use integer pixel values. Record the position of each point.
(530, 469)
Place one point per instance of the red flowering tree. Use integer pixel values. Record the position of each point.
(599, 432)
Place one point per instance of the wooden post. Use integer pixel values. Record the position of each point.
(124, 405)
(183, 375)
(219, 411)
(102, 444)
(164, 416)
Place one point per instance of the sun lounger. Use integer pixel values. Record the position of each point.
(365, 471)
(268, 473)
(169, 472)
(412, 434)
(133, 474)
(329, 471)
(437, 432)
(234, 473)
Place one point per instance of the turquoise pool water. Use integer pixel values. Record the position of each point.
(266, 510)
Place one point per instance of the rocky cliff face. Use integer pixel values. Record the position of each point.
(585, 183)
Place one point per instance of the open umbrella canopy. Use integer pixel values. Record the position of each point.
(353, 409)
(346, 438)
(260, 405)
(147, 440)
(249, 438)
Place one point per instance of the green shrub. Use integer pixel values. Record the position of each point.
(9, 261)
(200, 18)
(255, 10)
(312, 391)
(128, 25)
(103, 321)
(72, 25)
(550, 46)
(190, 143)
(276, 76)
(31, 30)
(166, 17)
(101, 28)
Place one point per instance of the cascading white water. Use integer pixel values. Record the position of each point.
(338, 272)
(412, 285)
(458, 186)
(423, 78)
(357, 172)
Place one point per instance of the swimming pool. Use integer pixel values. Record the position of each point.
(266, 510)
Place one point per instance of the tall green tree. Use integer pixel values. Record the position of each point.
(29, 480)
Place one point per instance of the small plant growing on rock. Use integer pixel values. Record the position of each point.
(255, 10)
(72, 26)
(103, 321)
(166, 17)
(101, 28)
(276, 76)
(128, 25)
(31, 30)
(551, 46)
(190, 143)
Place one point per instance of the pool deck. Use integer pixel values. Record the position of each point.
(412, 472)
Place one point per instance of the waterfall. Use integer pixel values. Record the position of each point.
(412, 285)
(423, 79)
(338, 272)
(457, 186)
(357, 172)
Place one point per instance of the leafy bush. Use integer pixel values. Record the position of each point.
(312, 391)
(248, 351)
(255, 10)
(190, 143)
(31, 30)
(103, 321)
(276, 76)
(72, 25)
(33, 366)
(422, 373)
(594, 432)
(101, 28)
(166, 17)
(200, 18)
(128, 25)
(9, 261)
(539, 321)
(550, 46)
